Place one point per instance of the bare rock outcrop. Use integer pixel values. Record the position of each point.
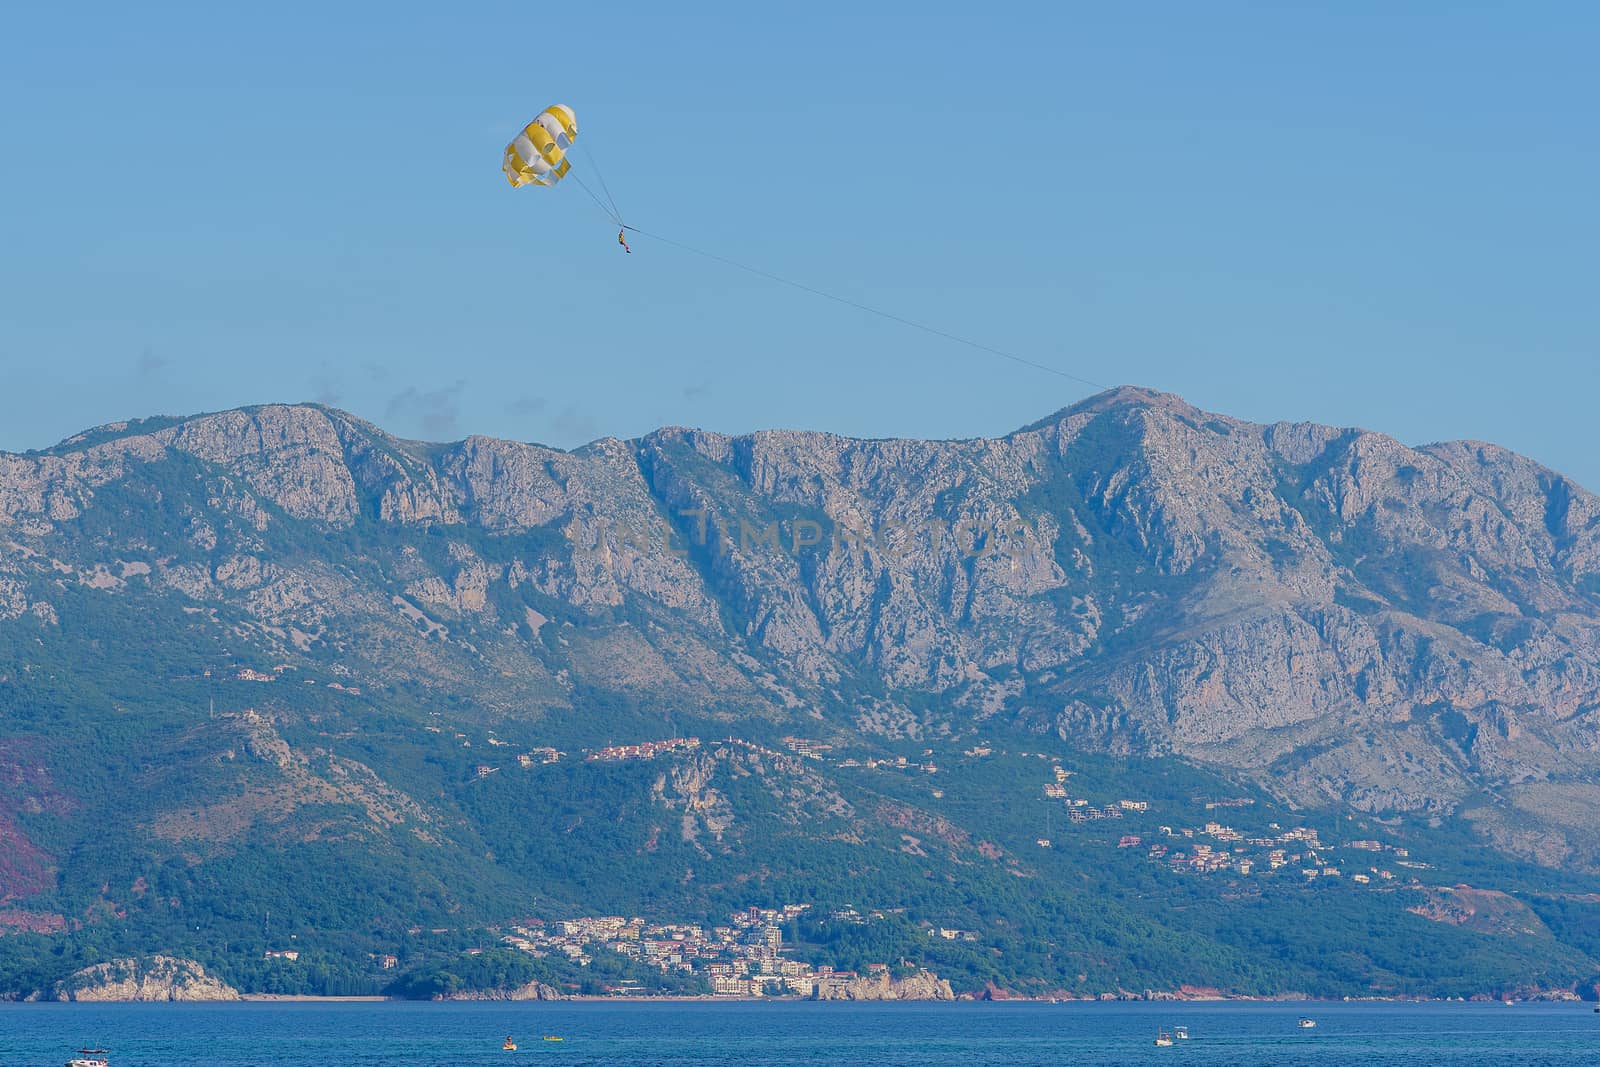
(923, 985)
(144, 979)
(529, 991)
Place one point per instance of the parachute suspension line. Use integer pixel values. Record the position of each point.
(758, 272)
(555, 130)
(601, 204)
(595, 163)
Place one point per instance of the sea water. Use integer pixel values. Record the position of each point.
(757, 1034)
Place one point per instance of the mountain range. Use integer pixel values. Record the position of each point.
(272, 654)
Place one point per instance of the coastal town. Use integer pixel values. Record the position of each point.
(744, 957)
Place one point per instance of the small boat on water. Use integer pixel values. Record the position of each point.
(1163, 1039)
(1306, 1024)
(89, 1057)
(552, 1037)
(509, 1045)
(1181, 1033)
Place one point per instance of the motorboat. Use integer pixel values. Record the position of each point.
(89, 1057)
(1306, 1024)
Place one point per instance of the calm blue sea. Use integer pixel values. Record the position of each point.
(772, 1034)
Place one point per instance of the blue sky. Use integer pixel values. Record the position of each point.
(1371, 214)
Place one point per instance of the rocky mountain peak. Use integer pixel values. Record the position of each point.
(1350, 618)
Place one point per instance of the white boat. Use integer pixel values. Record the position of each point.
(1181, 1033)
(1163, 1039)
(1306, 1024)
(89, 1057)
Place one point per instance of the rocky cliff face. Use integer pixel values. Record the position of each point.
(1352, 620)
(530, 991)
(144, 980)
(924, 985)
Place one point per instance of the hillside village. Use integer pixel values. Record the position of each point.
(1184, 848)
(1205, 848)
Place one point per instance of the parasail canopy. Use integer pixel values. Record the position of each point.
(538, 155)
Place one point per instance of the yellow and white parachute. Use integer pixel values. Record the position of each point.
(538, 155)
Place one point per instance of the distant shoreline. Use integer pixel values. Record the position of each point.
(709, 998)
(291, 998)
(300, 998)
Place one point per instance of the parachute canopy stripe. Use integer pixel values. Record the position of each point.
(554, 128)
(523, 149)
(564, 117)
(545, 144)
(537, 155)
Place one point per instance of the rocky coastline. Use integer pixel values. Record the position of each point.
(142, 980)
(530, 991)
(923, 985)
